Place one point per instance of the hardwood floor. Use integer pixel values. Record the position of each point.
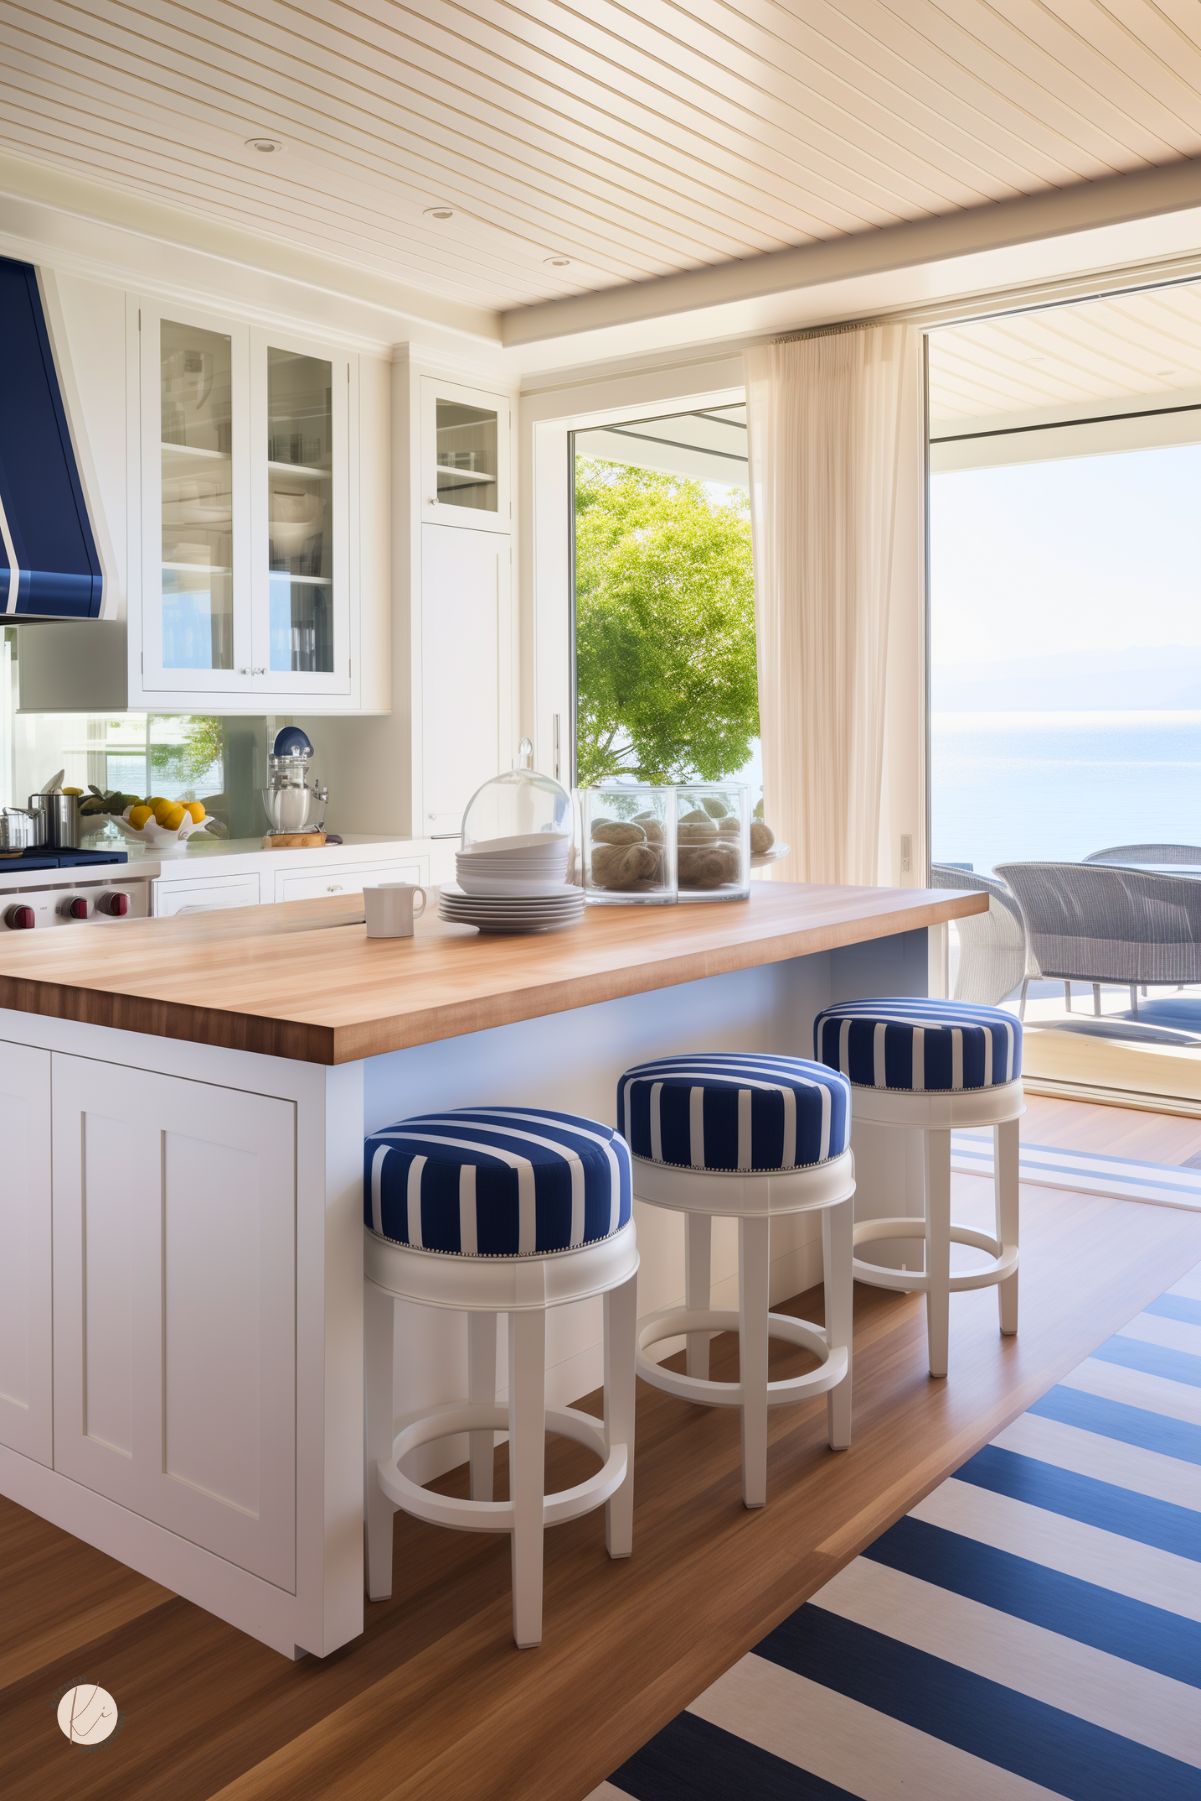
(434, 1700)
(1118, 1131)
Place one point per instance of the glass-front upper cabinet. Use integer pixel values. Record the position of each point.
(301, 505)
(194, 456)
(465, 456)
(245, 510)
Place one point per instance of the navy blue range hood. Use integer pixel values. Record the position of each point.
(49, 568)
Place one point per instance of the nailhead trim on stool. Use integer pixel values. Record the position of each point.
(496, 1182)
(727, 1110)
(920, 1046)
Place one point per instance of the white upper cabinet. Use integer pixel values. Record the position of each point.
(248, 532)
(464, 457)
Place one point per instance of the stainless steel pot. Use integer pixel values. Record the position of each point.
(63, 818)
(21, 830)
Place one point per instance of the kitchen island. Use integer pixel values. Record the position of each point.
(181, 1215)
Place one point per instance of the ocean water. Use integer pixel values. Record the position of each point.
(1009, 787)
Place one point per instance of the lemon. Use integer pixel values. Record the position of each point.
(73, 791)
(139, 816)
(195, 809)
(169, 814)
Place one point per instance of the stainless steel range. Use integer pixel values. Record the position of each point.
(48, 887)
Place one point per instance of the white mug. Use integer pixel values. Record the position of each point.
(391, 909)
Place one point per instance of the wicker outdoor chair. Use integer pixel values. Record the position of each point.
(1097, 923)
(992, 945)
(1181, 855)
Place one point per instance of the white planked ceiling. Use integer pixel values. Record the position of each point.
(1095, 357)
(633, 139)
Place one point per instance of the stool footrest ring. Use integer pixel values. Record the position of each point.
(878, 1275)
(671, 1322)
(497, 1516)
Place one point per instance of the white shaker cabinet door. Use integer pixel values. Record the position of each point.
(174, 1283)
(465, 668)
(25, 1359)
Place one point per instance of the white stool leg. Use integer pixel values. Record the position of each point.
(1006, 1154)
(481, 1386)
(698, 1232)
(754, 1266)
(938, 1247)
(621, 1331)
(527, 1468)
(379, 1312)
(837, 1252)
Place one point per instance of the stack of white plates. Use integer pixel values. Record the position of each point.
(529, 867)
(545, 912)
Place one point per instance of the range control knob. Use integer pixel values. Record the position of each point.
(20, 919)
(77, 907)
(116, 904)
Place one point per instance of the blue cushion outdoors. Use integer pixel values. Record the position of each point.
(496, 1181)
(922, 1046)
(734, 1110)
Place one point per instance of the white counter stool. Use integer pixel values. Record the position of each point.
(496, 1210)
(750, 1137)
(936, 1066)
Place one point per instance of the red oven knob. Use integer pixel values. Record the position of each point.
(115, 904)
(78, 907)
(20, 919)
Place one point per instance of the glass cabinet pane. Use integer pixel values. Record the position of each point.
(300, 512)
(197, 497)
(466, 456)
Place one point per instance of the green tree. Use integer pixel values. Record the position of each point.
(665, 627)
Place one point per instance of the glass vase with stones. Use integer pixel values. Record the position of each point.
(629, 845)
(713, 841)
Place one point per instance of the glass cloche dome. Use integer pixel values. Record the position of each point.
(518, 810)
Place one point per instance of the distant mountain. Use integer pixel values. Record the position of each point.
(1111, 680)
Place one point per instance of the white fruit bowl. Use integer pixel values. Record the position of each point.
(164, 841)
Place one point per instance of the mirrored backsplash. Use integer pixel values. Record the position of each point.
(220, 761)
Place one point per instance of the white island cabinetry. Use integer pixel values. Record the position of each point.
(174, 1308)
(25, 1253)
(187, 1226)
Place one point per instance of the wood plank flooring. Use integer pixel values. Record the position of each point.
(1115, 1131)
(434, 1700)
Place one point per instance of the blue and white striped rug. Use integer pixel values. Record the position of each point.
(1086, 1172)
(1032, 1628)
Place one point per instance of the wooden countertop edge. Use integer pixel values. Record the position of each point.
(455, 1019)
(299, 1041)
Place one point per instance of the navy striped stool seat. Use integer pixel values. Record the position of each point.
(496, 1182)
(920, 1046)
(734, 1110)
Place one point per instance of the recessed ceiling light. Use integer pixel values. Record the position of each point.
(439, 212)
(265, 146)
(558, 262)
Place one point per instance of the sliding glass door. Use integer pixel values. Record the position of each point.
(1065, 681)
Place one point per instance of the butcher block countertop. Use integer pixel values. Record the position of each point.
(302, 979)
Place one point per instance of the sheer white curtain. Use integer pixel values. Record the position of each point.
(837, 460)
